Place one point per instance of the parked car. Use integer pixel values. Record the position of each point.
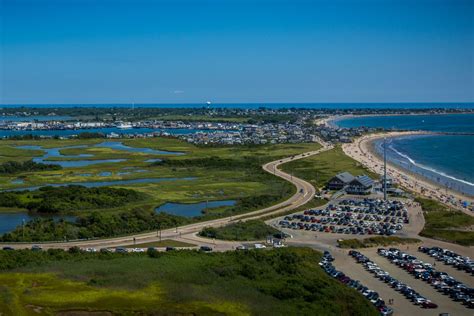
(121, 250)
(205, 248)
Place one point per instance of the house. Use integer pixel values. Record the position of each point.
(340, 180)
(360, 185)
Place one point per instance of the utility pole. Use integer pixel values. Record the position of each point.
(385, 168)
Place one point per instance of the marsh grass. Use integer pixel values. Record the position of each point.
(277, 282)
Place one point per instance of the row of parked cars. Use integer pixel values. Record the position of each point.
(441, 281)
(372, 296)
(374, 204)
(351, 216)
(106, 250)
(450, 258)
(356, 228)
(398, 286)
(336, 215)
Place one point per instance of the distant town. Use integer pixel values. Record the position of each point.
(202, 126)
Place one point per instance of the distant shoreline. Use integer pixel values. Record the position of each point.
(332, 120)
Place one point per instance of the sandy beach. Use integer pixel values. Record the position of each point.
(361, 150)
(324, 120)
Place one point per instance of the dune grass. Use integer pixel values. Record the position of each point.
(447, 224)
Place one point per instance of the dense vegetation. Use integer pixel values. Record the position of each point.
(12, 167)
(51, 200)
(210, 162)
(375, 241)
(94, 225)
(245, 231)
(444, 223)
(278, 282)
(319, 169)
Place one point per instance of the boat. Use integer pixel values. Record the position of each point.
(125, 126)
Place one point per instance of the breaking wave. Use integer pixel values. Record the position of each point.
(413, 162)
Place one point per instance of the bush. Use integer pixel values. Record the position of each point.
(12, 167)
(69, 198)
(245, 231)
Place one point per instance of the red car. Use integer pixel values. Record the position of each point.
(429, 304)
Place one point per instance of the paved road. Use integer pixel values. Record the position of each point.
(305, 192)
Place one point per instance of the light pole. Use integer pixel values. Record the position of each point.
(385, 168)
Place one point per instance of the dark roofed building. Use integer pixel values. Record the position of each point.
(340, 180)
(360, 185)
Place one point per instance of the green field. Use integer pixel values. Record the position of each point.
(276, 282)
(444, 223)
(320, 168)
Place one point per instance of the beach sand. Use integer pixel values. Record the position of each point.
(362, 150)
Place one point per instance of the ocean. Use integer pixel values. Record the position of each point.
(444, 159)
(355, 106)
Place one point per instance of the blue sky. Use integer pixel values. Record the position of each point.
(143, 51)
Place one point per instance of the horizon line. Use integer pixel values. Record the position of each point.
(230, 103)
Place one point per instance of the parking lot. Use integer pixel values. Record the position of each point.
(401, 305)
(361, 218)
(357, 217)
(441, 281)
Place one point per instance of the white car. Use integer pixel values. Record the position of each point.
(260, 246)
(138, 250)
(419, 300)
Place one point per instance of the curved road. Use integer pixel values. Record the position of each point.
(305, 192)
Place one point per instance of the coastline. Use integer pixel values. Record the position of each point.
(362, 150)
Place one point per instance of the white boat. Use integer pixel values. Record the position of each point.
(124, 126)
